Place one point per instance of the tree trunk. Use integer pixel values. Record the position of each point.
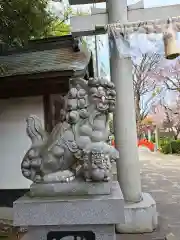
(138, 114)
(176, 134)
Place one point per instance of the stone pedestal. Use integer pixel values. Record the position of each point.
(139, 217)
(96, 214)
(74, 188)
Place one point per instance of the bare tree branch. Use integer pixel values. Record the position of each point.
(170, 119)
(144, 85)
(169, 75)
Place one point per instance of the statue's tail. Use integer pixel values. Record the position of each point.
(31, 165)
(35, 130)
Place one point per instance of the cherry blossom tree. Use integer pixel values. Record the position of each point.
(146, 88)
(167, 116)
(169, 75)
(172, 119)
(158, 114)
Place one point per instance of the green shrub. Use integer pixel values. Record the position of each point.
(166, 148)
(175, 145)
(170, 147)
(164, 145)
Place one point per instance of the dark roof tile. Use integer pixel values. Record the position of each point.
(38, 61)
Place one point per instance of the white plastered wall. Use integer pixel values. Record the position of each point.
(13, 139)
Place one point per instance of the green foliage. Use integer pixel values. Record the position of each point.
(172, 147)
(166, 148)
(156, 92)
(58, 28)
(175, 145)
(21, 20)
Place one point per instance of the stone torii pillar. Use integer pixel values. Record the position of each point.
(140, 208)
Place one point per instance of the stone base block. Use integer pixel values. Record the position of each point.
(94, 232)
(139, 217)
(70, 210)
(74, 188)
(88, 217)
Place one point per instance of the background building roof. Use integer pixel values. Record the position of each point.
(45, 55)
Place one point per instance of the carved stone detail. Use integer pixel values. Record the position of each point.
(77, 147)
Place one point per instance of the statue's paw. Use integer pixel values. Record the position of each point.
(60, 176)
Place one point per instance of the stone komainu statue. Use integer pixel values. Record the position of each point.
(77, 147)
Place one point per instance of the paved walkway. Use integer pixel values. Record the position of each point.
(161, 178)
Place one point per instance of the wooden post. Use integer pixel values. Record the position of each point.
(48, 112)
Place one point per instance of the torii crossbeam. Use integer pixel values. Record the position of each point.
(86, 25)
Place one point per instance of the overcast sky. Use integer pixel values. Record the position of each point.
(153, 3)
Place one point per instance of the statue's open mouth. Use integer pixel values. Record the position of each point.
(103, 102)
